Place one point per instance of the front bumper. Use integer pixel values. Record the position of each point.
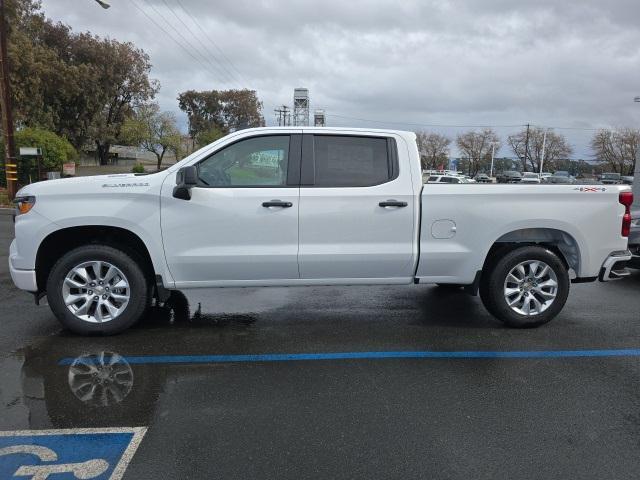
(615, 266)
(23, 279)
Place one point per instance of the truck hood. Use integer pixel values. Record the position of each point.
(114, 182)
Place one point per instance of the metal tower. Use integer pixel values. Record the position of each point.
(301, 107)
(318, 118)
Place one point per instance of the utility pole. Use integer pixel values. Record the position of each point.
(526, 150)
(10, 166)
(284, 117)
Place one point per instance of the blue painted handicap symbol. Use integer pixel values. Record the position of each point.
(98, 453)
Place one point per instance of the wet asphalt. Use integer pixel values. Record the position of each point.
(457, 418)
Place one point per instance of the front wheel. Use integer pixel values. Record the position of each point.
(525, 288)
(97, 289)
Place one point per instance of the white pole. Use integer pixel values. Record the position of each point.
(544, 144)
(493, 153)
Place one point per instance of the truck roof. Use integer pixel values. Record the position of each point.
(310, 129)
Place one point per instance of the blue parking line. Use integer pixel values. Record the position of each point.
(292, 357)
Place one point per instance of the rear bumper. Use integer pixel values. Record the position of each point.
(23, 279)
(615, 266)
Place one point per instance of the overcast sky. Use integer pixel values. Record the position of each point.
(562, 63)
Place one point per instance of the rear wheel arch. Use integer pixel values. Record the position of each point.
(558, 241)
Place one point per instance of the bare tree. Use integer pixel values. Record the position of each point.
(433, 149)
(617, 149)
(556, 148)
(153, 130)
(476, 147)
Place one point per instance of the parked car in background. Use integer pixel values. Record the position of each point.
(483, 178)
(561, 173)
(510, 176)
(560, 179)
(634, 239)
(610, 178)
(530, 177)
(447, 179)
(627, 180)
(544, 175)
(588, 181)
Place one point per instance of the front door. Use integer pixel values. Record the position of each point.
(242, 220)
(357, 212)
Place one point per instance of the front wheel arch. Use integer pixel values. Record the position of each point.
(58, 243)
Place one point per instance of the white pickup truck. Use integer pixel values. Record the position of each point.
(309, 206)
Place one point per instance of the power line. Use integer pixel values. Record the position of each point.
(181, 36)
(230, 75)
(423, 124)
(195, 21)
(443, 125)
(170, 36)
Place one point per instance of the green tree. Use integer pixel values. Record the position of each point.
(125, 85)
(209, 136)
(80, 86)
(153, 130)
(56, 150)
(223, 110)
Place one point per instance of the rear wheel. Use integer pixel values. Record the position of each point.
(97, 289)
(527, 287)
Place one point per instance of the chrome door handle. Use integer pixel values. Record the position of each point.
(277, 203)
(393, 203)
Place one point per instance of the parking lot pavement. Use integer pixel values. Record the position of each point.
(214, 412)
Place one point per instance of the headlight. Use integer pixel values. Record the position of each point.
(24, 203)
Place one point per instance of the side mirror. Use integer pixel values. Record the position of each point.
(186, 178)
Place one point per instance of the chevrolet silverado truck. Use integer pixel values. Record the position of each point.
(309, 206)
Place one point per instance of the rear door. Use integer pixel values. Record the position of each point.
(356, 209)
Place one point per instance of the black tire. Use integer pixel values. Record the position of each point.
(493, 283)
(140, 289)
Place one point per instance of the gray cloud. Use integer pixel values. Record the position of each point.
(498, 62)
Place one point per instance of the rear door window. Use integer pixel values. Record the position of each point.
(351, 161)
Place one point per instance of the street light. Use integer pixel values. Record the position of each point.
(104, 4)
(493, 154)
